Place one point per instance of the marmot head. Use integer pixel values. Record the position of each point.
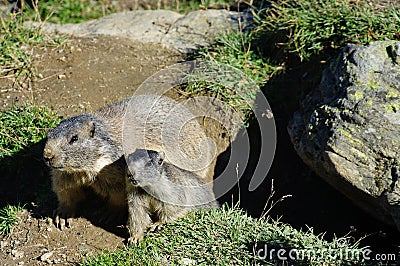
(144, 167)
(78, 144)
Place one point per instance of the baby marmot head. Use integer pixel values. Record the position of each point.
(144, 167)
(78, 144)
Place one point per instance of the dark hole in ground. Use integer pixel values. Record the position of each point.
(314, 203)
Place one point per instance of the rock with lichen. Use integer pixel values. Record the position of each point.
(348, 129)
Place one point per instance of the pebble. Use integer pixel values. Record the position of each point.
(46, 256)
(17, 254)
(82, 249)
(187, 261)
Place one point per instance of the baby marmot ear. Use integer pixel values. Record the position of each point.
(160, 157)
(93, 129)
(90, 127)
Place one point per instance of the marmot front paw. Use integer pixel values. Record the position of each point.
(63, 218)
(134, 240)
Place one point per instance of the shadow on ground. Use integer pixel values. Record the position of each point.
(25, 180)
(313, 203)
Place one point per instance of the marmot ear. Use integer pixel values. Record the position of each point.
(92, 129)
(161, 157)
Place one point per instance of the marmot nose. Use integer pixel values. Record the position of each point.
(48, 155)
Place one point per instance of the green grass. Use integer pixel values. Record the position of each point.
(21, 126)
(235, 73)
(225, 236)
(16, 42)
(308, 27)
(187, 6)
(70, 11)
(9, 218)
(235, 49)
(76, 11)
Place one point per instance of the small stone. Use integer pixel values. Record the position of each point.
(82, 249)
(17, 254)
(61, 76)
(46, 256)
(187, 261)
(268, 114)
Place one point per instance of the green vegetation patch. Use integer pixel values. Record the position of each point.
(234, 51)
(307, 27)
(223, 236)
(187, 6)
(23, 125)
(16, 43)
(76, 11)
(70, 11)
(9, 218)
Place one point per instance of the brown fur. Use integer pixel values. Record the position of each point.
(162, 191)
(96, 158)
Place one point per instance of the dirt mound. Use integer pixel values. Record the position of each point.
(86, 73)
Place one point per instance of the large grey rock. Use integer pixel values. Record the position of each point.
(145, 26)
(183, 33)
(348, 129)
(199, 28)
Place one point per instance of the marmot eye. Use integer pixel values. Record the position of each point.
(73, 139)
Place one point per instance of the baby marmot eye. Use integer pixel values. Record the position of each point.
(73, 139)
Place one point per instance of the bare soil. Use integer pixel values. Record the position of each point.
(80, 76)
(87, 73)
